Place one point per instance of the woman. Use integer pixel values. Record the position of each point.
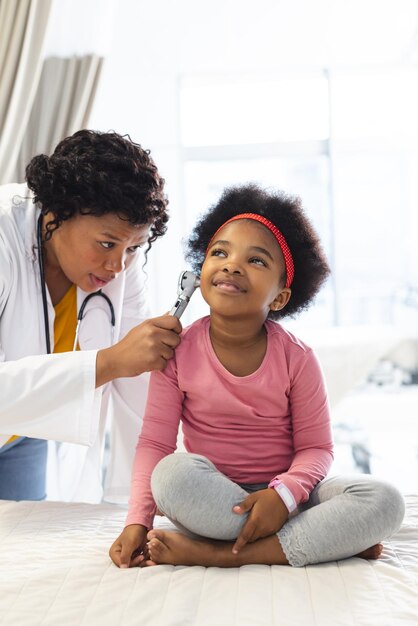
(75, 230)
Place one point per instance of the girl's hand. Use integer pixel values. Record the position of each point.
(267, 514)
(126, 551)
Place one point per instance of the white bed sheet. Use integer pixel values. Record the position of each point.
(55, 571)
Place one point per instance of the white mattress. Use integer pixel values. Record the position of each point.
(55, 571)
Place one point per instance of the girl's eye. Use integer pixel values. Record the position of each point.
(133, 249)
(258, 261)
(218, 252)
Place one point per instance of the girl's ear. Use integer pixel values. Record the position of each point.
(281, 299)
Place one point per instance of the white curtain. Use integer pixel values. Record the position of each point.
(62, 105)
(23, 25)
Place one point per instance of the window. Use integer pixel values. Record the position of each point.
(345, 142)
(237, 131)
(248, 111)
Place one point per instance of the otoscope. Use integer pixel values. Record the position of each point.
(185, 289)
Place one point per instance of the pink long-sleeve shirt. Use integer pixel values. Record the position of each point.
(274, 422)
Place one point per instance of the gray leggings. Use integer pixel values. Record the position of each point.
(343, 516)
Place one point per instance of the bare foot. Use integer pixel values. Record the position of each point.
(174, 548)
(371, 553)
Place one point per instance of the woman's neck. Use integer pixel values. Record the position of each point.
(57, 282)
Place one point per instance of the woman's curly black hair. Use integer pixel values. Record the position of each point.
(286, 213)
(95, 173)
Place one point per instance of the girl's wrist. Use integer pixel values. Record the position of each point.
(284, 493)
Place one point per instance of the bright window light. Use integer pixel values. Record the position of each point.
(254, 111)
(378, 105)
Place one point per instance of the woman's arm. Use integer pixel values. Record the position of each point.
(54, 396)
(45, 396)
(142, 344)
(145, 348)
(50, 397)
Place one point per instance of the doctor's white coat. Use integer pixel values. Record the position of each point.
(53, 396)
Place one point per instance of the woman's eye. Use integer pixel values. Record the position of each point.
(133, 249)
(107, 244)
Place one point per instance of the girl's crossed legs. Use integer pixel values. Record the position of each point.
(344, 516)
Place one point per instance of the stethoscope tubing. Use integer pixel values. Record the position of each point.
(83, 304)
(43, 285)
(81, 314)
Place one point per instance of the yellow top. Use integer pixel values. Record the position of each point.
(65, 321)
(64, 327)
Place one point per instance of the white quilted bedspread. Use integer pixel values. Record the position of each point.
(55, 571)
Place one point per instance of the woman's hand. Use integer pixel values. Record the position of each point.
(126, 551)
(146, 347)
(267, 514)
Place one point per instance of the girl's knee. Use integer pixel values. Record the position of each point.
(174, 476)
(391, 505)
(384, 502)
(198, 498)
(379, 503)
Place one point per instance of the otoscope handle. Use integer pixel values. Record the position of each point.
(179, 307)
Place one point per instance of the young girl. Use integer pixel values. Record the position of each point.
(254, 412)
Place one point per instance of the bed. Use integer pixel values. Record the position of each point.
(55, 571)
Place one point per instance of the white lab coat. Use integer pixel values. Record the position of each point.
(53, 396)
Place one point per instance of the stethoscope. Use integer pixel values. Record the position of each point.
(83, 305)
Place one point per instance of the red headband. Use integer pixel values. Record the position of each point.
(288, 260)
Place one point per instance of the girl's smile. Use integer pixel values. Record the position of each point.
(230, 286)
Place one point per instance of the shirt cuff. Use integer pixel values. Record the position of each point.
(284, 492)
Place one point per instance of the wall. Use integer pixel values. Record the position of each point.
(150, 46)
